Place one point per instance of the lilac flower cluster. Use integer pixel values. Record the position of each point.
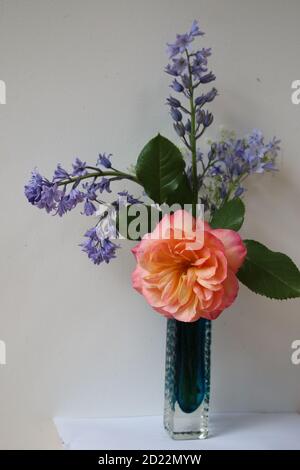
(189, 69)
(230, 161)
(245, 156)
(83, 184)
(98, 248)
(53, 196)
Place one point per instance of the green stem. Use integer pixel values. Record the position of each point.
(193, 140)
(97, 174)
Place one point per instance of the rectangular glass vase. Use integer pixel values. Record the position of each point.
(187, 379)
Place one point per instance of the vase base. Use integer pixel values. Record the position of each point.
(186, 427)
(186, 435)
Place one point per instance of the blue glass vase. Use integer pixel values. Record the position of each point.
(187, 379)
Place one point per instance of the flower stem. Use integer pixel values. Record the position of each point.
(193, 140)
(97, 174)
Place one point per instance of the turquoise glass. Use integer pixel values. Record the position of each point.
(187, 379)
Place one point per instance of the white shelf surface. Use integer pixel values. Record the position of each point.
(262, 431)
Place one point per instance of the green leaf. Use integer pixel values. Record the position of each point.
(160, 168)
(269, 273)
(230, 215)
(183, 194)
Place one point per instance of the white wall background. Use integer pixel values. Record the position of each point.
(87, 76)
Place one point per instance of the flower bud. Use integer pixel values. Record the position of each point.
(200, 116)
(207, 119)
(179, 128)
(177, 86)
(188, 126)
(173, 102)
(176, 114)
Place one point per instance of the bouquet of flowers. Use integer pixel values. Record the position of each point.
(190, 256)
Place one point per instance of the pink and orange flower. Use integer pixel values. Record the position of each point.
(187, 270)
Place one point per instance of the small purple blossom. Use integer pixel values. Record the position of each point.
(179, 129)
(180, 64)
(195, 30)
(104, 185)
(216, 170)
(256, 137)
(270, 166)
(173, 102)
(183, 41)
(176, 114)
(89, 208)
(108, 250)
(60, 174)
(75, 197)
(171, 70)
(177, 86)
(79, 168)
(207, 78)
(33, 188)
(200, 115)
(104, 160)
(204, 53)
(63, 206)
(198, 66)
(172, 50)
(206, 98)
(50, 196)
(188, 126)
(207, 119)
(187, 82)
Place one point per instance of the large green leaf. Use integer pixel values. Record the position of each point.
(183, 194)
(269, 273)
(160, 168)
(230, 215)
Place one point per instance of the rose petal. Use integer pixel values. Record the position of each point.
(235, 250)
